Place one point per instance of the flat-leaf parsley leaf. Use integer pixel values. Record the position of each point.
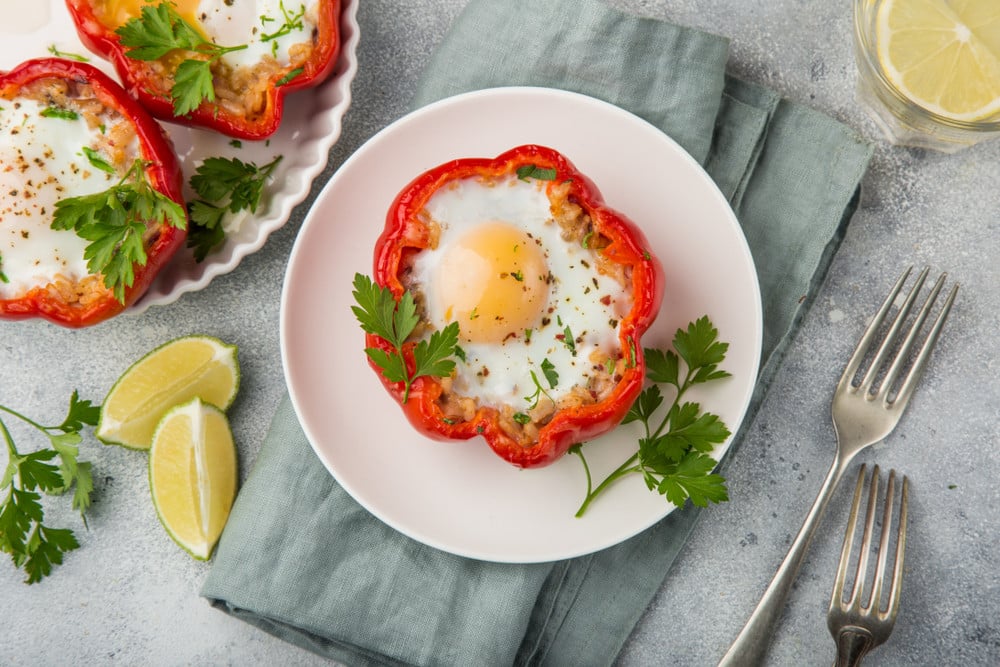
(381, 315)
(674, 456)
(31, 544)
(114, 221)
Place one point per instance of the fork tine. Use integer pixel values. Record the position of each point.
(845, 553)
(904, 350)
(874, 602)
(890, 338)
(892, 605)
(910, 381)
(869, 335)
(866, 542)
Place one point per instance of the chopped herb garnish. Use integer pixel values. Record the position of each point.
(521, 418)
(236, 143)
(70, 56)
(531, 171)
(59, 112)
(292, 75)
(551, 376)
(97, 161)
(569, 341)
(518, 276)
(292, 22)
(460, 353)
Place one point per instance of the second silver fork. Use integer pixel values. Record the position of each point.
(865, 411)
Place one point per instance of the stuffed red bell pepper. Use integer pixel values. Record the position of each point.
(90, 194)
(225, 67)
(551, 291)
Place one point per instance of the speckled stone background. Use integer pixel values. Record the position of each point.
(130, 596)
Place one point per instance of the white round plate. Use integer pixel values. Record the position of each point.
(459, 496)
(310, 126)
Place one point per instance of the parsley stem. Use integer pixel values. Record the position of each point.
(41, 428)
(624, 469)
(11, 450)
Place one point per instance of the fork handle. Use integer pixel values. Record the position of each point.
(752, 642)
(853, 644)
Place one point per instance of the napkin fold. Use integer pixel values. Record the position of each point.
(301, 560)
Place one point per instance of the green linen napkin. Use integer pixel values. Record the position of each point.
(300, 559)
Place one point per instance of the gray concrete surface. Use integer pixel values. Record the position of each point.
(129, 596)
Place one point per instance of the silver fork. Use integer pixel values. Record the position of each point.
(864, 412)
(859, 627)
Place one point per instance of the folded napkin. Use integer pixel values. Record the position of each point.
(300, 559)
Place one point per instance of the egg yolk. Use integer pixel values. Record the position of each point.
(117, 12)
(493, 281)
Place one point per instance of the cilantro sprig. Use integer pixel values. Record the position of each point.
(224, 185)
(674, 453)
(551, 376)
(380, 314)
(159, 30)
(30, 543)
(114, 221)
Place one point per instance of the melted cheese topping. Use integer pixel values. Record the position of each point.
(41, 162)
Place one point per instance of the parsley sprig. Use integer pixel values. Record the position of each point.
(30, 543)
(114, 221)
(674, 455)
(159, 30)
(380, 314)
(224, 184)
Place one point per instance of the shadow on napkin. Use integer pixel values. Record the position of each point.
(301, 560)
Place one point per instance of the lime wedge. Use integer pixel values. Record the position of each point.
(193, 475)
(173, 373)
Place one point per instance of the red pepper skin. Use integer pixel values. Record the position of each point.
(143, 83)
(405, 234)
(163, 172)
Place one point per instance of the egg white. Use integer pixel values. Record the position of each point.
(590, 305)
(243, 22)
(41, 162)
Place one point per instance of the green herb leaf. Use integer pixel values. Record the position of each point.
(521, 418)
(97, 161)
(160, 30)
(549, 371)
(531, 171)
(379, 314)
(192, 86)
(59, 112)
(225, 185)
(69, 56)
(156, 32)
(701, 351)
(673, 455)
(30, 543)
(115, 221)
(291, 76)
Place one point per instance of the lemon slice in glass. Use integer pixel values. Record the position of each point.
(193, 474)
(173, 373)
(944, 55)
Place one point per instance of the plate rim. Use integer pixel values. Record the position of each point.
(347, 166)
